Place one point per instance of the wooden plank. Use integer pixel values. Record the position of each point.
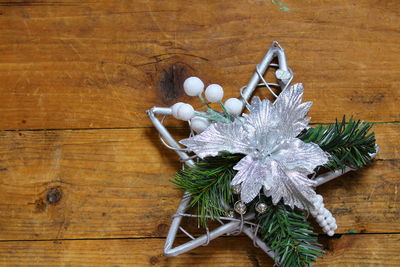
(116, 183)
(347, 250)
(102, 64)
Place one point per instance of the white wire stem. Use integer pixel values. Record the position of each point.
(208, 236)
(255, 235)
(209, 217)
(166, 144)
(189, 158)
(264, 81)
(186, 233)
(258, 85)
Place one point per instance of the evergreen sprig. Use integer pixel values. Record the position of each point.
(289, 235)
(208, 182)
(348, 143)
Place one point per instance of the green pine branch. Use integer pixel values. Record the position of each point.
(289, 235)
(208, 182)
(348, 143)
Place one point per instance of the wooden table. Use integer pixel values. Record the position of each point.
(84, 179)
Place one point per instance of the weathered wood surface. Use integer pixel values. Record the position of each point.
(85, 64)
(116, 183)
(347, 250)
(78, 66)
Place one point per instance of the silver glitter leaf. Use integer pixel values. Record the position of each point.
(218, 137)
(276, 161)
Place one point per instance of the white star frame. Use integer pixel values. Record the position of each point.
(229, 225)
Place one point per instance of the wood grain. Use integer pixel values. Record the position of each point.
(99, 186)
(102, 64)
(347, 250)
(93, 189)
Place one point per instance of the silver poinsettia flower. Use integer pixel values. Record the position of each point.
(276, 161)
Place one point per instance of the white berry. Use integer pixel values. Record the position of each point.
(193, 86)
(323, 223)
(199, 124)
(234, 106)
(331, 233)
(214, 93)
(185, 112)
(334, 226)
(326, 228)
(319, 218)
(175, 108)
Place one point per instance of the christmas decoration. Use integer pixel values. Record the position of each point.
(256, 172)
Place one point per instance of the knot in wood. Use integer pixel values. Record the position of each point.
(54, 195)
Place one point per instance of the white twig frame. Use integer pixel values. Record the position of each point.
(233, 225)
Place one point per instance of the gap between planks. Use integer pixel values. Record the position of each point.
(146, 127)
(178, 237)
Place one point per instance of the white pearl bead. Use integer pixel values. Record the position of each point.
(234, 106)
(319, 199)
(327, 213)
(331, 233)
(193, 86)
(314, 213)
(199, 124)
(326, 229)
(214, 93)
(330, 220)
(175, 108)
(185, 112)
(321, 211)
(322, 207)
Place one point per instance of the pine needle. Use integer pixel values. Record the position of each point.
(209, 185)
(289, 235)
(348, 143)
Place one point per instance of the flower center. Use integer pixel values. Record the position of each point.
(266, 151)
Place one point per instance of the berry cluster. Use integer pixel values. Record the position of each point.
(214, 93)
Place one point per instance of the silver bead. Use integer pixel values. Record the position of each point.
(261, 207)
(236, 189)
(230, 213)
(240, 207)
(282, 75)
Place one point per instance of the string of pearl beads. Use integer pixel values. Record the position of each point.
(323, 216)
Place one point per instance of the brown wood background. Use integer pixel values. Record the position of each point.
(84, 180)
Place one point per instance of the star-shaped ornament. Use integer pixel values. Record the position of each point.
(275, 160)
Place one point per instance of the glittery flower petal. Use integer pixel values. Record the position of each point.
(295, 154)
(292, 111)
(216, 138)
(262, 118)
(251, 175)
(294, 187)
